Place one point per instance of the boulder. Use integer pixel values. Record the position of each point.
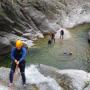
(68, 79)
(35, 80)
(42, 77)
(4, 45)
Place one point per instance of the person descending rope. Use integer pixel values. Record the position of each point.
(18, 55)
(61, 34)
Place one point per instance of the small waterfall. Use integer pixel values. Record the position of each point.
(66, 34)
(42, 82)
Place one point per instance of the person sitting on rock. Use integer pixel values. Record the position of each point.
(18, 55)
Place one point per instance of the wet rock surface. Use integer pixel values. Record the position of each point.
(50, 78)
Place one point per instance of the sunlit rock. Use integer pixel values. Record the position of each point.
(42, 77)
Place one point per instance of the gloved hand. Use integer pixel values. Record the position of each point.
(17, 63)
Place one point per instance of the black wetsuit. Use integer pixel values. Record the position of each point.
(61, 34)
(53, 37)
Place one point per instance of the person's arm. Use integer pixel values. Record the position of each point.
(23, 55)
(12, 54)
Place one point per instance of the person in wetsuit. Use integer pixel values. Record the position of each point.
(61, 34)
(53, 37)
(49, 39)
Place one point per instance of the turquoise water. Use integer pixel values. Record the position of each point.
(54, 55)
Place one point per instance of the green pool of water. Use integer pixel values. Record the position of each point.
(53, 55)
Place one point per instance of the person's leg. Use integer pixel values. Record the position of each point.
(48, 42)
(22, 70)
(13, 66)
(54, 40)
(62, 36)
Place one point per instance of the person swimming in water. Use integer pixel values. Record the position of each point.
(68, 53)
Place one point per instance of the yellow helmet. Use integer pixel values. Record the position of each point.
(19, 44)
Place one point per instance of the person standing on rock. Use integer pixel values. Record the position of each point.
(61, 34)
(18, 55)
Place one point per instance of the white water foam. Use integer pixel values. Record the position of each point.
(35, 77)
(66, 34)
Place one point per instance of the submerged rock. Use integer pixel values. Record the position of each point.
(4, 45)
